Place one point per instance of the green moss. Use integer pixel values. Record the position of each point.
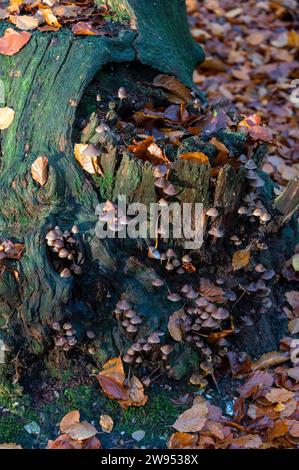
(105, 185)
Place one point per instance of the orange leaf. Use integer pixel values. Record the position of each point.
(83, 28)
(148, 150)
(49, 17)
(24, 22)
(69, 419)
(195, 157)
(182, 440)
(250, 441)
(192, 420)
(13, 41)
(269, 360)
(214, 337)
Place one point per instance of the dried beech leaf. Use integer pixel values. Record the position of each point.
(174, 324)
(279, 395)
(6, 117)
(84, 29)
(87, 156)
(269, 360)
(106, 423)
(40, 170)
(81, 431)
(148, 150)
(192, 420)
(182, 440)
(24, 22)
(250, 441)
(241, 259)
(13, 41)
(70, 418)
(173, 85)
(112, 379)
(49, 17)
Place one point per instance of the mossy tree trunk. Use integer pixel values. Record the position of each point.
(44, 85)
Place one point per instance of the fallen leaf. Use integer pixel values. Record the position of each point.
(106, 423)
(241, 259)
(49, 17)
(294, 373)
(269, 359)
(192, 420)
(173, 85)
(149, 151)
(175, 325)
(258, 380)
(13, 41)
(87, 156)
(182, 440)
(40, 170)
(6, 117)
(84, 28)
(11, 445)
(212, 292)
(195, 157)
(81, 431)
(280, 428)
(279, 395)
(112, 379)
(70, 418)
(293, 326)
(250, 441)
(24, 22)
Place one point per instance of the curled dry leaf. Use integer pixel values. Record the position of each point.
(112, 379)
(174, 86)
(81, 431)
(250, 441)
(279, 395)
(13, 41)
(70, 418)
(6, 117)
(66, 442)
(49, 17)
(87, 156)
(24, 22)
(241, 259)
(40, 170)
(84, 29)
(195, 157)
(192, 420)
(148, 150)
(174, 325)
(269, 360)
(182, 440)
(212, 292)
(106, 423)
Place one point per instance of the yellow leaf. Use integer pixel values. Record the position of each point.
(106, 423)
(50, 18)
(293, 39)
(6, 117)
(241, 259)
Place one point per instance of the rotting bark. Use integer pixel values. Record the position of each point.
(44, 85)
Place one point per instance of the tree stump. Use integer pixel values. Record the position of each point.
(44, 85)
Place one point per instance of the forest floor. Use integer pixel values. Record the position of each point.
(252, 61)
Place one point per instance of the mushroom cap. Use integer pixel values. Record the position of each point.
(138, 360)
(176, 263)
(251, 175)
(157, 282)
(127, 359)
(153, 253)
(257, 183)
(216, 232)
(90, 334)
(63, 253)
(103, 127)
(268, 274)
(202, 302)
(136, 347)
(162, 202)
(166, 349)
(52, 235)
(209, 323)
(131, 329)
(250, 165)
(66, 273)
(126, 323)
(169, 267)
(136, 320)
(59, 341)
(56, 326)
(180, 270)
(131, 352)
(174, 297)
(58, 243)
(212, 212)
(242, 210)
(75, 229)
(130, 313)
(265, 217)
(220, 314)
(211, 308)
(260, 268)
(171, 190)
(123, 304)
(170, 253)
(186, 288)
(160, 183)
(257, 212)
(159, 171)
(122, 93)
(186, 259)
(147, 347)
(67, 326)
(154, 338)
(192, 294)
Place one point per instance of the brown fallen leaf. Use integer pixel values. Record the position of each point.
(148, 150)
(173, 85)
(10, 445)
(6, 117)
(269, 360)
(241, 258)
(112, 379)
(257, 381)
(13, 41)
(49, 16)
(174, 325)
(70, 418)
(214, 337)
(182, 440)
(293, 326)
(24, 22)
(40, 170)
(250, 441)
(106, 423)
(192, 420)
(137, 396)
(81, 431)
(87, 156)
(83, 28)
(212, 292)
(279, 395)
(279, 428)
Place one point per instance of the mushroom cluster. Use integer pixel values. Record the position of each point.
(66, 255)
(162, 184)
(147, 350)
(128, 317)
(65, 335)
(113, 216)
(171, 262)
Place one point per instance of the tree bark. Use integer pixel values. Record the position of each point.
(44, 85)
